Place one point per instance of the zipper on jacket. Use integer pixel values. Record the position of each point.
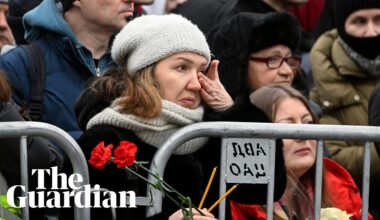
(97, 69)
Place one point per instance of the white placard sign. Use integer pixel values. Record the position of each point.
(247, 160)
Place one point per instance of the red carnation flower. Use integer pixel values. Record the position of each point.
(125, 154)
(100, 155)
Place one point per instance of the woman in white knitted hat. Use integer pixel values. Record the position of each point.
(157, 86)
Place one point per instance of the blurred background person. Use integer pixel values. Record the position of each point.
(346, 68)
(73, 46)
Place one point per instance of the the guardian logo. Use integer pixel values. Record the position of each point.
(65, 188)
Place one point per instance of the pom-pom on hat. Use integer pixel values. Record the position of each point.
(151, 38)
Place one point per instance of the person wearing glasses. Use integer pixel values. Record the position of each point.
(256, 50)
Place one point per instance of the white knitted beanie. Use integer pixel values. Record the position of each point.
(151, 38)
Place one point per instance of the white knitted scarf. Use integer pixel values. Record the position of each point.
(157, 130)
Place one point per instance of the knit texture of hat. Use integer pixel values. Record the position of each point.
(245, 33)
(151, 38)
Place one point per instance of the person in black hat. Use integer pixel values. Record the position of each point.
(6, 36)
(256, 50)
(346, 67)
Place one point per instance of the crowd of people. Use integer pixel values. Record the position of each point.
(113, 71)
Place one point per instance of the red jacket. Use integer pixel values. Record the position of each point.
(339, 185)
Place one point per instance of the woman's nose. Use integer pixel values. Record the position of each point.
(194, 83)
(285, 70)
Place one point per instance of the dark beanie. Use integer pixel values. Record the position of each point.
(342, 10)
(233, 41)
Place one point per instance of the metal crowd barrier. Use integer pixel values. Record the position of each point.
(57, 136)
(269, 131)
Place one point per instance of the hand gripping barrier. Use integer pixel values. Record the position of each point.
(59, 137)
(272, 131)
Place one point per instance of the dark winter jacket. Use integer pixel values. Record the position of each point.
(68, 65)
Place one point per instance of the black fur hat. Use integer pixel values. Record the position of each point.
(245, 33)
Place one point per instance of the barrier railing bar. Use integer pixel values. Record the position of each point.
(366, 178)
(59, 137)
(270, 188)
(24, 174)
(318, 179)
(222, 181)
(252, 130)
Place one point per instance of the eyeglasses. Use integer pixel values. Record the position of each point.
(276, 61)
